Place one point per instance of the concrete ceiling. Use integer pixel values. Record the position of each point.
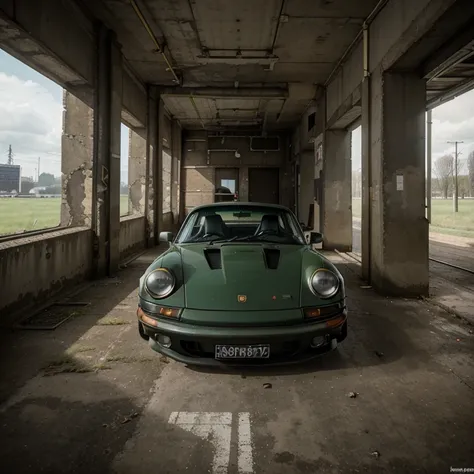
(266, 45)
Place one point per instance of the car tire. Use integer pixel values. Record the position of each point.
(343, 334)
(141, 332)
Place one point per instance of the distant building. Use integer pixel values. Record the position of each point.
(10, 178)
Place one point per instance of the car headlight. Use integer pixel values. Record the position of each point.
(324, 283)
(160, 283)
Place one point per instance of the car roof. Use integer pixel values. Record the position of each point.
(239, 203)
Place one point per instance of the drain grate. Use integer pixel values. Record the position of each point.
(51, 317)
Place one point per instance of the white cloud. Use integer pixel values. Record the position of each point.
(31, 121)
(454, 121)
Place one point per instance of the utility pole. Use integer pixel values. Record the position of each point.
(39, 163)
(455, 176)
(10, 155)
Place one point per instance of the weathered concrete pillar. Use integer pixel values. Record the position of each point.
(366, 180)
(399, 228)
(137, 172)
(76, 162)
(106, 224)
(336, 203)
(306, 194)
(175, 168)
(159, 168)
(151, 171)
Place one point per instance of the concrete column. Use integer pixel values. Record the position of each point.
(399, 228)
(159, 168)
(366, 180)
(151, 172)
(137, 172)
(306, 195)
(106, 222)
(337, 205)
(175, 167)
(76, 162)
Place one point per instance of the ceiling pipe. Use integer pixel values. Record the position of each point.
(365, 26)
(153, 37)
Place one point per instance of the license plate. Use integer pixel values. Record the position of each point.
(258, 351)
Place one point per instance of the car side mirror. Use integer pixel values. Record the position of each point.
(166, 236)
(315, 238)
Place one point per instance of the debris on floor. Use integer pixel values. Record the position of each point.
(378, 353)
(375, 454)
(267, 385)
(352, 394)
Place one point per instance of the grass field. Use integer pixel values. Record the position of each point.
(26, 214)
(443, 219)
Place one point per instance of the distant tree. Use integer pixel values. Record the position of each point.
(443, 168)
(46, 179)
(470, 167)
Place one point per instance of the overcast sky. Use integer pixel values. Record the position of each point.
(31, 119)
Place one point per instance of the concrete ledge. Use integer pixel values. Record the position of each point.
(34, 268)
(132, 235)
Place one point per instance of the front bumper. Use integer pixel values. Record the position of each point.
(194, 344)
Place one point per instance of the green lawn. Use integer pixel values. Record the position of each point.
(26, 214)
(443, 219)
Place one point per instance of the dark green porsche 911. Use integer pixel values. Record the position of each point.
(240, 284)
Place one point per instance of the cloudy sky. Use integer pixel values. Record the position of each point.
(31, 119)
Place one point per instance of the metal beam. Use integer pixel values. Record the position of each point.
(225, 93)
(450, 94)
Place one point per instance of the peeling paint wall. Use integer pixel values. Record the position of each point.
(33, 269)
(76, 163)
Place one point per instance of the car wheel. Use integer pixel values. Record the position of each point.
(343, 334)
(141, 331)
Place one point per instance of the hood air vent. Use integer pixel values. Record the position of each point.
(213, 257)
(272, 258)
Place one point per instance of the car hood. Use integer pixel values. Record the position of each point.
(242, 276)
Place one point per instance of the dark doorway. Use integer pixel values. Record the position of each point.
(264, 185)
(226, 185)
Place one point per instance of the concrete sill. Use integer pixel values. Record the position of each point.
(131, 217)
(39, 237)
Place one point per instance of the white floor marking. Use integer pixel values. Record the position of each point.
(212, 426)
(245, 458)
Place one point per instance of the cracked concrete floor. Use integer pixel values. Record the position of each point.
(91, 397)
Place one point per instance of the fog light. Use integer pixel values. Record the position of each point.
(164, 341)
(318, 341)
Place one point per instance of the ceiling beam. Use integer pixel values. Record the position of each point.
(225, 93)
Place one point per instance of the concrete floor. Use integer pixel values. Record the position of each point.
(91, 397)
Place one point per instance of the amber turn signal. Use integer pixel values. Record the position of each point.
(332, 323)
(312, 312)
(146, 319)
(169, 312)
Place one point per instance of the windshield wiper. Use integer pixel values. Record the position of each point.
(212, 242)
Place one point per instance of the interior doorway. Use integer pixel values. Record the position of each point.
(226, 184)
(264, 185)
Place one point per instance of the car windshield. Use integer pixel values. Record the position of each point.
(215, 224)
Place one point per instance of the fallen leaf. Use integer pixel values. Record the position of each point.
(375, 454)
(366, 287)
(352, 394)
(267, 385)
